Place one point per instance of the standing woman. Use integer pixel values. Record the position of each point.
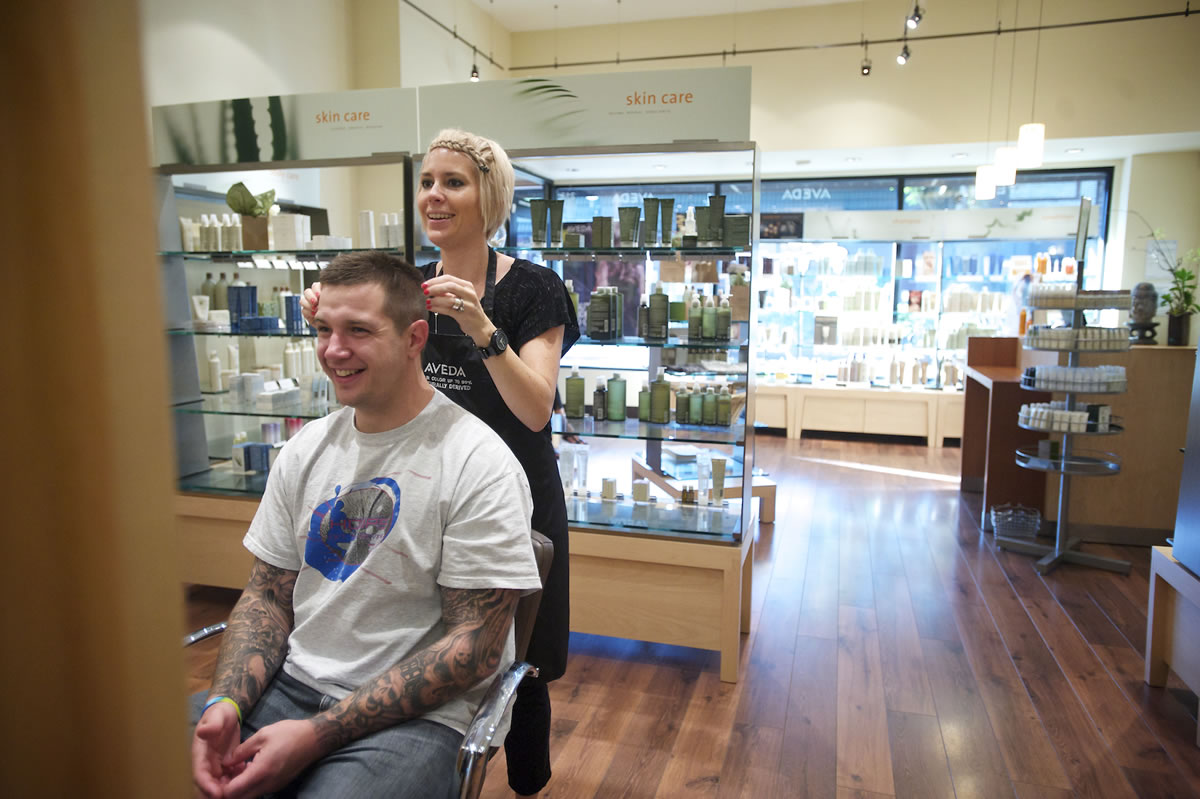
(498, 328)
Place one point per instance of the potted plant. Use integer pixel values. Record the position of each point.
(1180, 298)
(254, 210)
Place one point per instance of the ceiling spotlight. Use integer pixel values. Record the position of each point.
(903, 57)
(866, 66)
(474, 74)
(914, 19)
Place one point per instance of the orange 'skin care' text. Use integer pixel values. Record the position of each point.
(666, 98)
(324, 117)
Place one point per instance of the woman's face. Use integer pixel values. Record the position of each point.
(448, 198)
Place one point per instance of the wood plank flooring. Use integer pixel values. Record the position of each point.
(893, 652)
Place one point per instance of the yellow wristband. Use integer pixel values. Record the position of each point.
(230, 700)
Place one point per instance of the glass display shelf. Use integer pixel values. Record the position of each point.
(224, 405)
(648, 431)
(652, 253)
(1107, 346)
(1029, 384)
(633, 341)
(225, 255)
(221, 479)
(1089, 463)
(1113, 429)
(672, 519)
(187, 331)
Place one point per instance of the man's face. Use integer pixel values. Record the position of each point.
(360, 349)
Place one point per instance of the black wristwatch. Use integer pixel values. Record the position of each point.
(497, 345)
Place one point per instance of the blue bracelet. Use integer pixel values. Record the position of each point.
(218, 699)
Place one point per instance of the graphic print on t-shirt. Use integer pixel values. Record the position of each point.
(344, 530)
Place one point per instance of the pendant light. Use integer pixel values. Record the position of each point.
(1031, 138)
(1005, 166)
(985, 182)
(985, 175)
(1006, 157)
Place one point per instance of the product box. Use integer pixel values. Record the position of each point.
(737, 231)
(602, 235)
(277, 399)
(671, 271)
(243, 302)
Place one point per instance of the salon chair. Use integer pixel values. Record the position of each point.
(477, 749)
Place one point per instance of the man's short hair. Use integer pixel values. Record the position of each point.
(404, 299)
(496, 177)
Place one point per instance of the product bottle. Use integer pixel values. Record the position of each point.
(682, 405)
(236, 233)
(291, 360)
(617, 311)
(237, 280)
(308, 358)
(235, 358)
(689, 222)
(598, 315)
(724, 319)
(600, 402)
(660, 400)
(696, 406)
(573, 295)
(708, 320)
(660, 308)
(644, 403)
(218, 233)
(575, 395)
(696, 318)
(220, 299)
(616, 398)
(724, 406)
(644, 318)
(207, 288)
(214, 371)
(710, 407)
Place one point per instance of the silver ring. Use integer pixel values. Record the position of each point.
(458, 303)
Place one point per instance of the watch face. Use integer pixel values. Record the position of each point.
(499, 341)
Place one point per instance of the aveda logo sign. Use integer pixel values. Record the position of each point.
(807, 193)
(444, 370)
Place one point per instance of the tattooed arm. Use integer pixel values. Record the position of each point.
(477, 625)
(256, 640)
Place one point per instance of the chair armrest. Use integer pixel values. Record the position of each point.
(474, 752)
(204, 632)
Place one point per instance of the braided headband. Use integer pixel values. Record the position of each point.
(469, 152)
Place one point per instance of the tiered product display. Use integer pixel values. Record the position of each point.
(1070, 417)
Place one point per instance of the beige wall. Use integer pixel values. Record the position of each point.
(1093, 81)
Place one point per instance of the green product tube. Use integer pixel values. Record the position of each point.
(716, 217)
(682, 405)
(617, 299)
(702, 216)
(601, 232)
(724, 404)
(660, 401)
(666, 213)
(598, 315)
(600, 403)
(708, 320)
(695, 406)
(556, 212)
(644, 318)
(710, 407)
(537, 214)
(649, 221)
(616, 398)
(659, 314)
(679, 311)
(695, 319)
(628, 215)
(575, 394)
(724, 318)
(644, 403)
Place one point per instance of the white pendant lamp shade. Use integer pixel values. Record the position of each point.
(1006, 166)
(985, 182)
(1031, 145)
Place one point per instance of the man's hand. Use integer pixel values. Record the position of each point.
(217, 735)
(277, 754)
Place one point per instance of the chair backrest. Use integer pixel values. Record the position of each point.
(527, 607)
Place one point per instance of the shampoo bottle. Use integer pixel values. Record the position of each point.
(660, 400)
(644, 318)
(221, 295)
(214, 371)
(573, 295)
(696, 406)
(600, 402)
(724, 403)
(708, 320)
(695, 318)
(682, 404)
(724, 319)
(644, 403)
(660, 308)
(616, 398)
(575, 395)
(710, 407)
(207, 288)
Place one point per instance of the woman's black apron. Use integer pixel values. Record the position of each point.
(474, 390)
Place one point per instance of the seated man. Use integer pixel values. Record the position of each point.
(390, 548)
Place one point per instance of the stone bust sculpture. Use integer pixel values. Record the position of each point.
(1145, 303)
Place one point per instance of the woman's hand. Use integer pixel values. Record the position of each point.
(455, 297)
(308, 303)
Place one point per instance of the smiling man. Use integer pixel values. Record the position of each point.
(390, 548)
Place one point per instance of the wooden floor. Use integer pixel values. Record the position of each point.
(893, 652)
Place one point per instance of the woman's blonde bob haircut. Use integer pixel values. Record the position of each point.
(496, 177)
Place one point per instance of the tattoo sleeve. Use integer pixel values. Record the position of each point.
(477, 624)
(255, 642)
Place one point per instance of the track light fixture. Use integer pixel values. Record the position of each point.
(866, 66)
(914, 19)
(904, 55)
(474, 67)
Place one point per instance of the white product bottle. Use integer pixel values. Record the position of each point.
(308, 359)
(236, 233)
(291, 360)
(235, 358)
(689, 222)
(237, 280)
(214, 371)
(208, 288)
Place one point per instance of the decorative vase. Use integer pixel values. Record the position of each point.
(1178, 329)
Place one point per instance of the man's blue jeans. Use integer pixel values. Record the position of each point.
(413, 760)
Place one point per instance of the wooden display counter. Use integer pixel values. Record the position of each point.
(1136, 506)
(1174, 617)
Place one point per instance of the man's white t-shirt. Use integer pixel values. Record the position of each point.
(374, 523)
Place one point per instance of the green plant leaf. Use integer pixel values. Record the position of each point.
(241, 200)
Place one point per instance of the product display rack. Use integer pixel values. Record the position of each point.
(1069, 462)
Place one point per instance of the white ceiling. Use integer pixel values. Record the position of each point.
(536, 15)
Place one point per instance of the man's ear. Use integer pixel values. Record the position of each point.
(420, 335)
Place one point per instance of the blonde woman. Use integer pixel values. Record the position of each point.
(498, 328)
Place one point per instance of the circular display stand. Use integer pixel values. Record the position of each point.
(1028, 384)
(1120, 346)
(1090, 463)
(1113, 429)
